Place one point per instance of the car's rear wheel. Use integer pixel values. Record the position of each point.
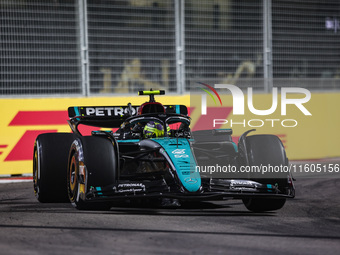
(50, 159)
(92, 163)
(267, 150)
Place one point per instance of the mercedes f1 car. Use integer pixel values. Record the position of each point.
(154, 155)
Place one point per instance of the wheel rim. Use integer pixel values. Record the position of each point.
(36, 172)
(73, 178)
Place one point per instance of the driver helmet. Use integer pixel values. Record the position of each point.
(154, 129)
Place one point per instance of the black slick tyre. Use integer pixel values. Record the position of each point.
(92, 163)
(267, 150)
(50, 160)
(263, 204)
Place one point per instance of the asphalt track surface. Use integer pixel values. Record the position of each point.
(308, 224)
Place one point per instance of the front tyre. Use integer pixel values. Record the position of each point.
(267, 150)
(263, 204)
(92, 163)
(76, 181)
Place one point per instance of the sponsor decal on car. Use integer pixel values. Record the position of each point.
(191, 180)
(180, 153)
(129, 188)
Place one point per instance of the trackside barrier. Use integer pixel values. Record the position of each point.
(313, 137)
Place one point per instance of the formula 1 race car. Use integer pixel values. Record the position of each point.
(154, 156)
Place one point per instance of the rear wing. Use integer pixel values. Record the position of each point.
(116, 112)
(111, 116)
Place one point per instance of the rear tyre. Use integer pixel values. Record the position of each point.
(50, 160)
(267, 150)
(92, 163)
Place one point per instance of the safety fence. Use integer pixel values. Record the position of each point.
(98, 47)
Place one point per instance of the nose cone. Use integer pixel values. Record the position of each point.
(182, 158)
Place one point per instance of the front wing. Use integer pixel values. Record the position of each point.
(212, 189)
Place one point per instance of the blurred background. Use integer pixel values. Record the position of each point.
(102, 47)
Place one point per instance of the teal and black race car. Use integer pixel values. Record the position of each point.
(155, 156)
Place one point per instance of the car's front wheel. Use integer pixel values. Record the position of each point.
(263, 204)
(92, 163)
(267, 151)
